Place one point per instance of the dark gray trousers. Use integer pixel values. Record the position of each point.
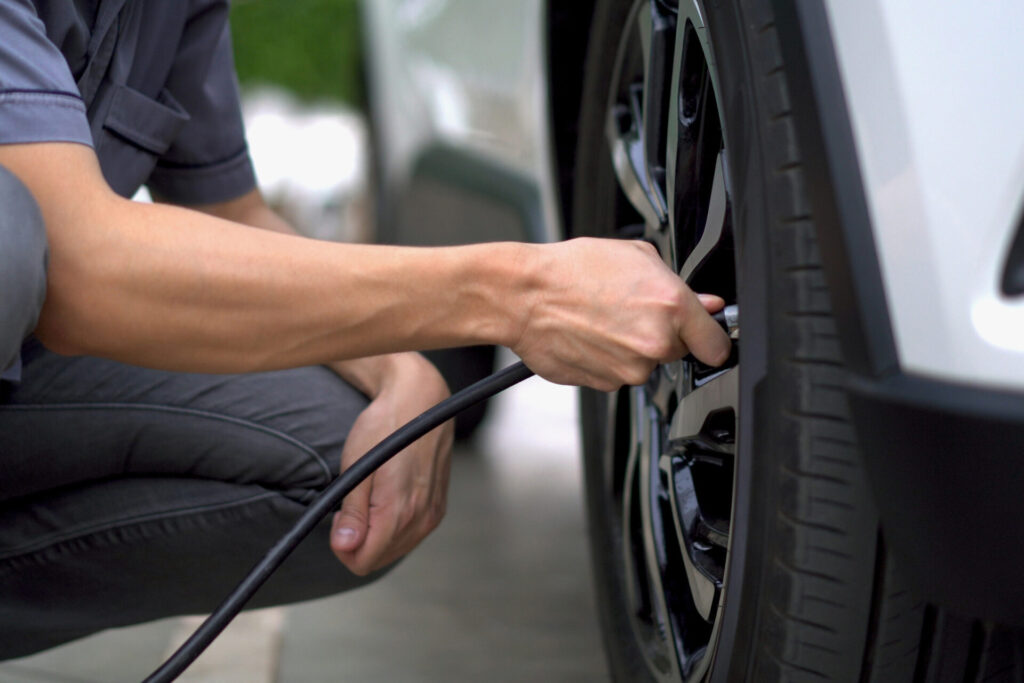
(129, 494)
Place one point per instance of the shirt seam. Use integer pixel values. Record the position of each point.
(39, 91)
(48, 98)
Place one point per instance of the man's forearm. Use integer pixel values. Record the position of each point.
(249, 209)
(368, 374)
(166, 287)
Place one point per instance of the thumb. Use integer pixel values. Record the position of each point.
(702, 335)
(348, 531)
(711, 302)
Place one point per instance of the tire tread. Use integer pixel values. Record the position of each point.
(822, 500)
(905, 639)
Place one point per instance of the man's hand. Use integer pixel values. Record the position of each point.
(606, 312)
(399, 504)
(391, 512)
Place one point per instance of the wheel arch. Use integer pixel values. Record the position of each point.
(933, 481)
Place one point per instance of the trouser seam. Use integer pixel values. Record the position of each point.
(95, 529)
(305, 448)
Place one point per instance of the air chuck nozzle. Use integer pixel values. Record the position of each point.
(729, 319)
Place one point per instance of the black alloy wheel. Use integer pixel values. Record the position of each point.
(674, 437)
(732, 530)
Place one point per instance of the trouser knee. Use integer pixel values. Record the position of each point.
(23, 258)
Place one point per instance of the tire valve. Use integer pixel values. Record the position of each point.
(729, 319)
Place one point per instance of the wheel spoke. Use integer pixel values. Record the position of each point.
(657, 29)
(637, 597)
(717, 394)
(711, 235)
(695, 139)
(636, 126)
(704, 589)
(645, 557)
(713, 532)
(627, 148)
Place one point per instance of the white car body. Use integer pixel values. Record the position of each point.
(937, 109)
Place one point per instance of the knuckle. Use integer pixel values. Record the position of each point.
(647, 247)
(652, 347)
(660, 348)
(358, 568)
(634, 379)
(405, 519)
(638, 373)
(676, 298)
(410, 515)
(435, 514)
(602, 383)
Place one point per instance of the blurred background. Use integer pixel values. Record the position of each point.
(300, 65)
(502, 590)
(311, 48)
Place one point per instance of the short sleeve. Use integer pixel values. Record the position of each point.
(39, 100)
(209, 159)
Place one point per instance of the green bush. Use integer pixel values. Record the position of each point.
(310, 47)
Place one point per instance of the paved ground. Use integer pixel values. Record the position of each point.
(501, 592)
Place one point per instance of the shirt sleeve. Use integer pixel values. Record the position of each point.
(209, 159)
(39, 100)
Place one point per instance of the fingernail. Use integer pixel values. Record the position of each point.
(346, 535)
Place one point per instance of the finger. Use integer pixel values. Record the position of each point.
(395, 544)
(702, 335)
(349, 529)
(711, 302)
(440, 476)
(383, 536)
(403, 517)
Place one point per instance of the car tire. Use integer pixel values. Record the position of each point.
(796, 582)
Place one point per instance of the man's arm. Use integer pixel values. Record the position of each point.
(249, 209)
(386, 516)
(172, 288)
(167, 287)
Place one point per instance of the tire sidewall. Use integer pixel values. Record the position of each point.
(756, 483)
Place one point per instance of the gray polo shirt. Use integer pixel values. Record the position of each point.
(149, 84)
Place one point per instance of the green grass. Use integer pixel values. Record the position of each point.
(310, 47)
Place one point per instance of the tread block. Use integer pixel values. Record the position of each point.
(787, 194)
(781, 148)
(775, 95)
(799, 248)
(816, 341)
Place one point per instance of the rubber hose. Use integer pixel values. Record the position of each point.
(326, 502)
